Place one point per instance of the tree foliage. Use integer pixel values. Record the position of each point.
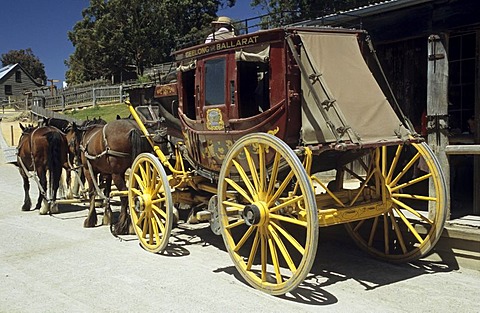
(116, 36)
(306, 9)
(27, 60)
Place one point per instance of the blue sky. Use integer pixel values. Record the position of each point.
(42, 25)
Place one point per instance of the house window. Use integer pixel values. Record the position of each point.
(215, 82)
(8, 90)
(461, 93)
(18, 76)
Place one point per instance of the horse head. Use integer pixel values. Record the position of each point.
(74, 136)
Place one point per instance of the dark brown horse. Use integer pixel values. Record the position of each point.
(73, 132)
(109, 150)
(42, 149)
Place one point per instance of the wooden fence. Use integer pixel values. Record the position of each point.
(82, 98)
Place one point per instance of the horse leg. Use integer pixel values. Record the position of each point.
(27, 202)
(42, 202)
(68, 183)
(123, 226)
(91, 220)
(107, 215)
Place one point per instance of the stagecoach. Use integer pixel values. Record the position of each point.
(272, 135)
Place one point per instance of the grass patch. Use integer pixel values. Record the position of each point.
(107, 112)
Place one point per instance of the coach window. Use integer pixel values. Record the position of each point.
(215, 81)
(253, 77)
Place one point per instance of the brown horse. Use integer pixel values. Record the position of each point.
(42, 149)
(109, 150)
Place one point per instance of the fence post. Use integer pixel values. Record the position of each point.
(121, 93)
(94, 98)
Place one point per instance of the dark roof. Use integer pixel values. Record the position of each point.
(365, 11)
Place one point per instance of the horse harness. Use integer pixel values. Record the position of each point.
(108, 151)
(33, 173)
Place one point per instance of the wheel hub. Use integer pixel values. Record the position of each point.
(143, 203)
(254, 214)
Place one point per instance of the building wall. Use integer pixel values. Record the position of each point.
(18, 88)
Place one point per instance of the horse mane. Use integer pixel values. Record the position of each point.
(59, 123)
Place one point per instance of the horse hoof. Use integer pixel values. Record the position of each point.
(26, 208)
(54, 208)
(89, 224)
(106, 220)
(43, 210)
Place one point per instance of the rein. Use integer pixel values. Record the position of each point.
(108, 151)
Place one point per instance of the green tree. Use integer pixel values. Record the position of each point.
(115, 36)
(286, 11)
(27, 60)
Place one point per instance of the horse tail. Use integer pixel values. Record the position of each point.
(138, 142)
(55, 163)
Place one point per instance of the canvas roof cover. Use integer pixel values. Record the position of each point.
(345, 78)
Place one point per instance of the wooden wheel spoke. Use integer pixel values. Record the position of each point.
(289, 202)
(150, 231)
(373, 231)
(154, 230)
(157, 188)
(275, 262)
(239, 189)
(386, 244)
(140, 183)
(414, 197)
(273, 174)
(148, 174)
(145, 227)
(245, 179)
(398, 232)
(253, 251)
(283, 250)
(233, 204)
(143, 175)
(235, 224)
(263, 170)
(141, 218)
(411, 182)
(263, 256)
(245, 237)
(158, 210)
(252, 168)
(409, 225)
(281, 189)
(405, 169)
(413, 211)
(136, 191)
(290, 238)
(159, 201)
(288, 220)
(160, 224)
(394, 163)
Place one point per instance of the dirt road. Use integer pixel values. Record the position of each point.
(53, 264)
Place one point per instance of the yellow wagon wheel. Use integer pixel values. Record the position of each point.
(150, 202)
(414, 217)
(268, 213)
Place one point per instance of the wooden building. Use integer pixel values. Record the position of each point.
(429, 50)
(15, 82)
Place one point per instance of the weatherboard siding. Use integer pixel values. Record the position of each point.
(18, 88)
